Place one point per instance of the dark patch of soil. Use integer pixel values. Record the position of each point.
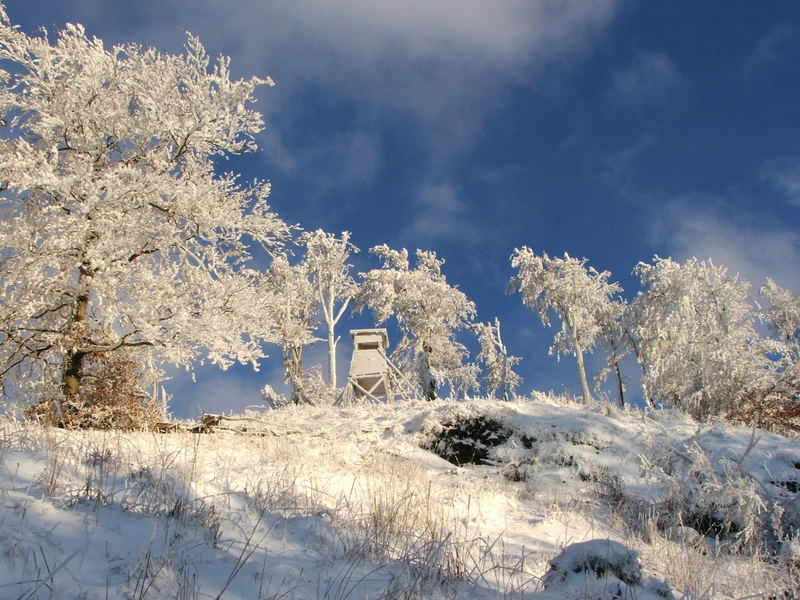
(790, 485)
(711, 526)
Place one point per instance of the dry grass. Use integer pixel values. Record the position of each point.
(377, 509)
(374, 515)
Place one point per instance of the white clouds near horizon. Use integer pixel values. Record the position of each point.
(753, 250)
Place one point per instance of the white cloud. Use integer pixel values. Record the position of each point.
(651, 78)
(433, 69)
(373, 34)
(772, 47)
(440, 214)
(784, 175)
(619, 166)
(753, 250)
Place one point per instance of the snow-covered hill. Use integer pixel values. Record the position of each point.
(534, 499)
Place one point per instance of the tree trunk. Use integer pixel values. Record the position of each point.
(645, 390)
(73, 359)
(331, 358)
(293, 365)
(587, 397)
(620, 388)
(428, 380)
(331, 319)
(506, 369)
(498, 341)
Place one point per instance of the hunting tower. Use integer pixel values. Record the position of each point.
(370, 373)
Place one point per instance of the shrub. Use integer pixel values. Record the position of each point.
(111, 397)
(468, 440)
(776, 408)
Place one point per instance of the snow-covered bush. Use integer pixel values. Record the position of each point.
(467, 440)
(709, 497)
(313, 389)
(497, 365)
(272, 398)
(601, 570)
(775, 404)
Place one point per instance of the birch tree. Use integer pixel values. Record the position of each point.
(428, 311)
(573, 291)
(116, 231)
(292, 303)
(327, 267)
(613, 337)
(498, 365)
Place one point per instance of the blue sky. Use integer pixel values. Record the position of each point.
(610, 130)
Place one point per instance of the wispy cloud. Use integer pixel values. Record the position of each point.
(703, 228)
(784, 175)
(434, 70)
(771, 48)
(347, 158)
(440, 214)
(650, 79)
(619, 165)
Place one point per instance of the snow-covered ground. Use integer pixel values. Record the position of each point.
(547, 499)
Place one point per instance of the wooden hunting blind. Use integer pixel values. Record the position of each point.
(372, 375)
(369, 368)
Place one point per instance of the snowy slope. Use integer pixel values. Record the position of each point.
(533, 499)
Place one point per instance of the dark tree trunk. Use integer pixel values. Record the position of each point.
(620, 389)
(293, 365)
(428, 380)
(643, 368)
(73, 359)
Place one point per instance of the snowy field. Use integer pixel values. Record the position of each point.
(539, 499)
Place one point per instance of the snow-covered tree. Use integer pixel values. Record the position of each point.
(326, 263)
(782, 314)
(694, 327)
(499, 374)
(575, 292)
(291, 304)
(428, 311)
(778, 404)
(116, 231)
(614, 338)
